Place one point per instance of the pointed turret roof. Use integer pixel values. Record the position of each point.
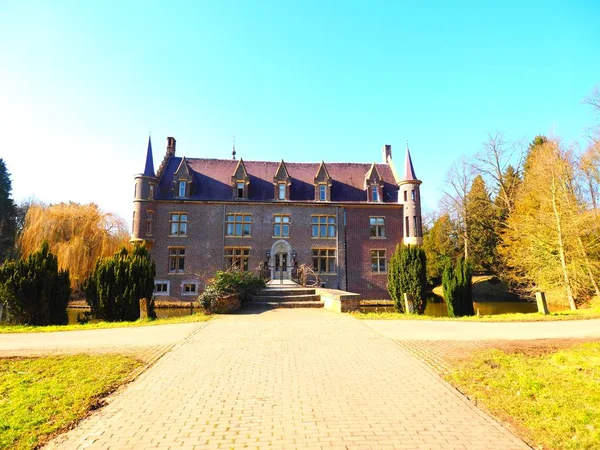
(409, 170)
(149, 169)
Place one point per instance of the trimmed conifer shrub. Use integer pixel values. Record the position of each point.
(457, 285)
(34, 291)
(116, 285)
(407, 273)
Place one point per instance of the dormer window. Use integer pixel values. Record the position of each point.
(373, 185)
(375, 193)
(182, 186)
(281, 187)
(240, 181)
(322, 192)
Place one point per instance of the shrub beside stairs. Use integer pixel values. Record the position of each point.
(286, 297)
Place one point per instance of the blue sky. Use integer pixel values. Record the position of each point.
(82, 84)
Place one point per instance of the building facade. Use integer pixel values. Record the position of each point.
(200, 215)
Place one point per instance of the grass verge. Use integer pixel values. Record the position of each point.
(41, 396)
(580, 314)
(197, 317)
(552, 399)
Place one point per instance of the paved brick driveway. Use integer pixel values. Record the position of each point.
(289, 379)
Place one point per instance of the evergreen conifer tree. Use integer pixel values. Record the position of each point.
(407, 274)
(34, 291)
(8, 215)
(116, 285)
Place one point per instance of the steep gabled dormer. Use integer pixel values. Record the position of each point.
(282, 182)
(322, 184)
(374, 185)
(182, 180)
(240, 181)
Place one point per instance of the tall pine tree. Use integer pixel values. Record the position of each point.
(481, 224)
(8, 215)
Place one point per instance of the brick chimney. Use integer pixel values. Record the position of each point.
(171, 142)
(387, 153)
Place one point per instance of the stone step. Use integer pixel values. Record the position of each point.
(276, 292)
(287, 304)
(286, 298)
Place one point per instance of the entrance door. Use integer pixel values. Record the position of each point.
(280, 260)
(281, 265)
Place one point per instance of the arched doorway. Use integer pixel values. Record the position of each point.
(281, 260)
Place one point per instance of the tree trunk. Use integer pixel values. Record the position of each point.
(561, 250)
(588, 266)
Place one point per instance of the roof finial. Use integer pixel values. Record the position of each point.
(406, 145)
(233, 151)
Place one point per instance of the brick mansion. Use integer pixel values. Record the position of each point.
(200, 215)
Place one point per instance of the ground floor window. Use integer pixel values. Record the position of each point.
(237, 257)
(378, 261)
(189, 289)
(323, 260)
(176, 259)
(161, 287)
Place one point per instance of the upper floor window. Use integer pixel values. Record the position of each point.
(281, 192)
(375, 193)
(238, 224)
(406, 225)
(133, 223)
(322, 192)
(415, 226)
(378, 261)
(377, 225)
(323, 226)
(151, 192)
(281, 225)
(178, 224)
(149, 222)
(237, 258)
(405, 196)
(176, 259)
(239, 189)
(182, 186)
(412, 195)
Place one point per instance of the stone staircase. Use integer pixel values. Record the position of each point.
(274, 296)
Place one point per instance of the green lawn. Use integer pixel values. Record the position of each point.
(42, 396)
(552, 399)
(197, 317)
(515, 317)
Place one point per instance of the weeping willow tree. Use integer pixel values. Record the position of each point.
(77, 234)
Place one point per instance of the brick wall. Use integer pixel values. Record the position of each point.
(206, 240)
(361, 279)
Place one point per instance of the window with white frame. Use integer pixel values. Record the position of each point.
(182, 188)
(322, 192)
(161, 287)
(375, 193)
(281, 187)
(189, 288)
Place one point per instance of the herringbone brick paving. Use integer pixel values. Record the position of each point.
(289, 379)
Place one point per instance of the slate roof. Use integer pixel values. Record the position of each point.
(409, 170)
(212, 180)
(149, 168)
